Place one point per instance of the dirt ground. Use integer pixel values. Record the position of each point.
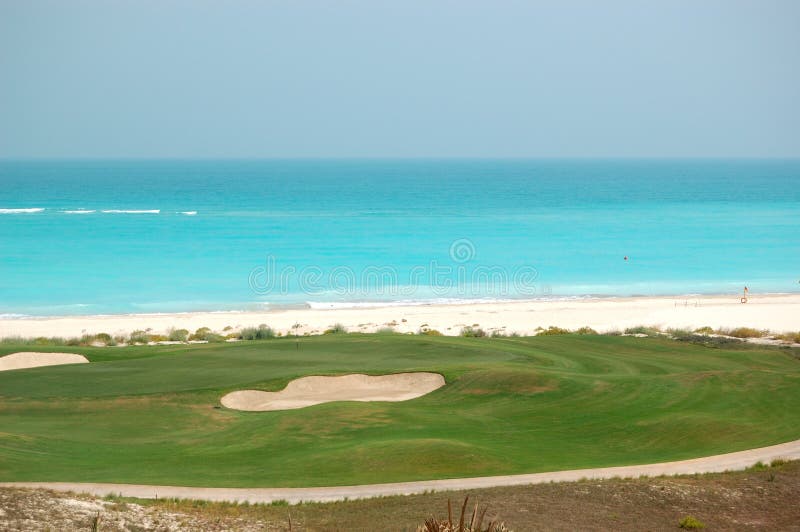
(762, 498)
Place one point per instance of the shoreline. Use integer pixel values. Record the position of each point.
(776, 312)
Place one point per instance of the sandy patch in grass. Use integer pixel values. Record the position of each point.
(315, 390)
(34, 360)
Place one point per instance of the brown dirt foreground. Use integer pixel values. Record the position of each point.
(761, 498)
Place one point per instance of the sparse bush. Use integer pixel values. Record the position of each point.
(200, 334)
(262, 332)
(138, 337)
(743, 332)
(585, 330)
(552, 331)
(178, 335)
(690, 523)
(641, 329)
(704, 330)
(429, 332)
(474, 524)
(498, 334)
(338, 328)
(793, 337)
(103, 338)
(472, 332)
(385, 330)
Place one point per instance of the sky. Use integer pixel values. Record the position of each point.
(410, 78)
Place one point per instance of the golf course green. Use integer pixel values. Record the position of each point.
(152, 414)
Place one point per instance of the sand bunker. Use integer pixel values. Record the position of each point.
(308, 391)
(34, 360)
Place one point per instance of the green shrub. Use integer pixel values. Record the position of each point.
(429, 332)
(337, 328)
(641, 329)
(743, 332)
(704, 330)
(177, 335)
(793, 337)
(552, 331)
(498, 334)
(472, 332)
(103, 338)
(262, 332)
(385, 330)
(690, 523)
(585, 330)
(138, 337)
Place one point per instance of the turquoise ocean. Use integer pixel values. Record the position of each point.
(106, 237)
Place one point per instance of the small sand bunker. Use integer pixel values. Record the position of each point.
(308, 391)
(35, 360)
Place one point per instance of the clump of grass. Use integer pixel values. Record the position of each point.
(429, 332)
(337, 328)
(743, 332)
(641, 329)
(475, 523)
(585, 330)
(704, 330)
(385, 330)
(793, 337)
(472, 332)
(177, 335)
(103, 338)
(138, 337)
(690, 523)
(206, 334)
(497, 333)
(552, 331)
(262, 332)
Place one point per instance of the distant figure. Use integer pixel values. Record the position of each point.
(625, 257)
(744, 295)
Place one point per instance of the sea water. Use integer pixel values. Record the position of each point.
(99, 237)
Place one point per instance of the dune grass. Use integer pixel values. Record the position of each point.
(150, 414)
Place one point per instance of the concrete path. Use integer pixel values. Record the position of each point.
(710, 464)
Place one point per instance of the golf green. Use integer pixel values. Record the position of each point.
(151, 414)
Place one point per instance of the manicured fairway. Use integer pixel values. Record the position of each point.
(513, 405)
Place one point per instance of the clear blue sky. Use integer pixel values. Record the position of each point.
(410, 78)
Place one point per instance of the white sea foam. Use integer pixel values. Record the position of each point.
(80, 211)
(121, 211)
(21, 211)
(12, 316)
(335, 305)
(189, 213)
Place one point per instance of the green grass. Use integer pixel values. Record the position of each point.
(149, 414)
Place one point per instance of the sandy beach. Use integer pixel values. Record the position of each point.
(777, 313)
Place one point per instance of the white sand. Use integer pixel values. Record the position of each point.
(316, 390)
(35, 360)
(775, 312)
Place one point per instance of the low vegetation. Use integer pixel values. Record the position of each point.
(472, 332)
(336, 328)
(262, 332)
(743, 500)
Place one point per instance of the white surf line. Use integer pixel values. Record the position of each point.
(709, 464)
